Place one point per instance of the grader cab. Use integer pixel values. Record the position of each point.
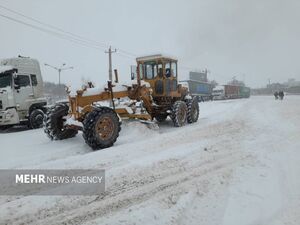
(170, 98)
(161, 73)
(154, 95)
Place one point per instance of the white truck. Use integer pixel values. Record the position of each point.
(218, 93)
(21, 93)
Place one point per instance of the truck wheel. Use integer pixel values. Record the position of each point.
(192, 110)
(101, 128)
(161, 117)
(36, 119)
(5, 127)
(54, 123)
(179, 113)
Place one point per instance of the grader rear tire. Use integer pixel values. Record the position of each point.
(101, 128)
(179, 114)
(193, 110)
(54, 123)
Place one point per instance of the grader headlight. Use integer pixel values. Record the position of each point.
(150, 91)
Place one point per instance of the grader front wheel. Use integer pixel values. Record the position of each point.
(193, 110)
(179, 114)
(101, 128)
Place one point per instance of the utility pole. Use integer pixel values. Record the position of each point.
(233, 80)
(59, 72)
(110, 62)
(59, 69)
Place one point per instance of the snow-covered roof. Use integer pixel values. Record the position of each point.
(5, 68)
(219, 87)
(153, 57)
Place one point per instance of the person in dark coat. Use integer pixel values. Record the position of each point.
(281, 95)
(276, 95)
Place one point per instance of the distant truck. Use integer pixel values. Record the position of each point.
(236, 91)
(199, 85)
(203, 90)
(21, 93)
(244, 92)
(231, 91)
(218, 93)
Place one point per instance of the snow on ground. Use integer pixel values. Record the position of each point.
(238, 165)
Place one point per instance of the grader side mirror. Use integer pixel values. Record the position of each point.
(116, 76)
(133, 72)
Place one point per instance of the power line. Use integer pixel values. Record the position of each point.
(79, 38)
(69, 36)
(128, 53)
(53, 27)
(49, 32)
(59, 35)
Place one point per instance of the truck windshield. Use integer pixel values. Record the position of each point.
(5, 80)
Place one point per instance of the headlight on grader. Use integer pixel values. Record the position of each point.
(150, 91)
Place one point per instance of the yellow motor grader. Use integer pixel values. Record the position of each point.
(98, 112)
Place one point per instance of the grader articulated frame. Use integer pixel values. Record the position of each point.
(81, 104)
(156, 90)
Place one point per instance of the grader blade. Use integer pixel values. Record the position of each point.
(150, 124)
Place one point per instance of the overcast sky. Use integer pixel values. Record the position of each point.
(252, 40)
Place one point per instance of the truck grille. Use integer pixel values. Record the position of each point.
(1, 106)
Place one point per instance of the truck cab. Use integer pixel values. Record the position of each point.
(218, 93)
(21, 92)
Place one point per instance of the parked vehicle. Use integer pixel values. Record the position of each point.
(202, 90)
(218, 93)
(199, 85)
(236, 91)
(231, 91)
(21, 93)
(244, 92)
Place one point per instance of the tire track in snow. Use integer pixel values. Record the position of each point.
(136, 193)
(142, 184)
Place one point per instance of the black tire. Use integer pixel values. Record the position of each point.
(36, 119)
(53, 123)
(101, 119)
(6, 127)
(179, 114)
(192, 110)
(161, 117)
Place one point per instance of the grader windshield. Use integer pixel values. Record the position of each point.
(160, 72)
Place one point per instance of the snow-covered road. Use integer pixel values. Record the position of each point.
(238, 165)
